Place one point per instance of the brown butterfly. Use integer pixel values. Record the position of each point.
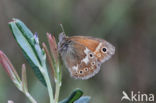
(83, 55)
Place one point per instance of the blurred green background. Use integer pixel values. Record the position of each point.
(130, 25)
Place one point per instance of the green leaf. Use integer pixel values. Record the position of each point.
(83, 99)
(26, 41)
(75, 95)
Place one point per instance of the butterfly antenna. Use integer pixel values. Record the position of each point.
(62, 35)
(62, 27)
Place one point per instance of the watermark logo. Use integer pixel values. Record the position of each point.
(137, 97)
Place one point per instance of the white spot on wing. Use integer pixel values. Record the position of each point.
(86, 59)
(86, 51)
(98, 47)
(75, 68)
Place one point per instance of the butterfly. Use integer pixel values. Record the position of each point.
(83, 55)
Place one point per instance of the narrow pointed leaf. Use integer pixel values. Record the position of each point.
(83, 99)
(53, 47)
(25, 40)
(49, 58)
(9, 68)
(76, 94)
(24, 78)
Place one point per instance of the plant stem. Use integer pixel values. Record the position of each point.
(50, 90)
(30, 97)
(58, 85)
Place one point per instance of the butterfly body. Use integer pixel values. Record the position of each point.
(83, 55)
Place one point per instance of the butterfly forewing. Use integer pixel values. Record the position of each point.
(102, 49)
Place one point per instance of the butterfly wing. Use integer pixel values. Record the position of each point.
(102, 49)
(83, 55)
(80, 61)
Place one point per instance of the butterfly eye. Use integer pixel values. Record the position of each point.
(91, 55)
(104, 49)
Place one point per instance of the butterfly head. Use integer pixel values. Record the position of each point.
(64, 45)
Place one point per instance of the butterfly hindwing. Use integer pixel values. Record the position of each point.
(80, 61)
